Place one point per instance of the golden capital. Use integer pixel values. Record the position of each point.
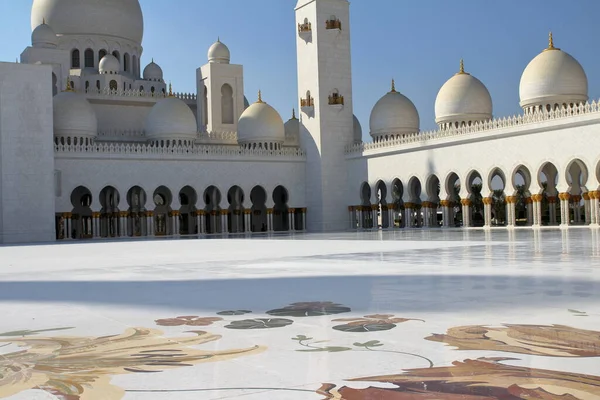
(564, 196)
(466, 202)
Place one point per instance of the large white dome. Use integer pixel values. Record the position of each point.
(553, 77)
(171, 118)
(463, 98)
(118, 18)
(73, 116)
(394, 114)
(260, 123)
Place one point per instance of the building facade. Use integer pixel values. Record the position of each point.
(112, 152)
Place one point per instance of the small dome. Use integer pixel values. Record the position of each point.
(394, 114)
(109, 65)
(171, 118)
(73, 115)
(153, 72)
(260, 123)
(463, 98)
(553, 77)
(292, 127)
(43, 36)
(357, 131)
(219, 53)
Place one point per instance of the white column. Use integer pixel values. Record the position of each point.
(199, 222)
(564, 209)
(408, 215)
(466, 211)
(350, 217)
(123, 223)
(67, 225)
(391, 209)
(224, 222)
(150, 217)
(270, 220)
(96, 224)
(304, 219)
(291, 214)
(587, 205)
(595, 207)
(375, 209)
(248, 217)
(530, 211)
(552, 210)
(487, 212)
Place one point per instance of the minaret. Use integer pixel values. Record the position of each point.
(327, 123)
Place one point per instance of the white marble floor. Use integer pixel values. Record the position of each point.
(393, 315)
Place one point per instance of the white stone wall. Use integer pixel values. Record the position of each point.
(149, 172)
(324, 65)
(559, 141)
(26, 154)
(213, 76)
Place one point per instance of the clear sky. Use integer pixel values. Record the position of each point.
(419, 43)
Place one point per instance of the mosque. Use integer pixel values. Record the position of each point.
(95, 144)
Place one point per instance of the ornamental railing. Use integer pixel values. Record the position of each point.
(397, 140)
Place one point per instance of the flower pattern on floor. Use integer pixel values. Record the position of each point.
(74, 368)
(554, 340)
(193, 320)
(485, 378)
(371, 323)
(310, 309)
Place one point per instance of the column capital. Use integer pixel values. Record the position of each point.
(150, 213)
(248, 211)
(488, 200)
(596, 194)
(67, 215)
(552, 199)
(466, 202)
(586, 196)
(375, 207)
(200, 212)
(564, 196)
(409, 205)
(124, 214)
(445, 203)
(269, 211)
(96, 214)
(529, 200)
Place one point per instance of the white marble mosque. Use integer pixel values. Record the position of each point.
(117, 154)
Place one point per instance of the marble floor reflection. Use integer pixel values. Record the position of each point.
(431, 314)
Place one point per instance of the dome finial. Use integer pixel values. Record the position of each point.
(171, 90)
(462, 66)
(43, 21)
(259, 97)
(393, 86)
(551, 42)
(294, 113)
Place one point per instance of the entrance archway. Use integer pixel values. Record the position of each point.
(187, 213)
(212, 201)
(258, 197)
(163, 198)
(281, 218)
(109, 214)
(136, 220)
(81, 216)
(235, 220)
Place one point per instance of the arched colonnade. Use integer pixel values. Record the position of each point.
(162, 212)
(522, 196)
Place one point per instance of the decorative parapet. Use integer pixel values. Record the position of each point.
(138, 93)
(218, 137)
(121, 133)
(190, 151)
(333, 24)
(394, 141)
(306, 27)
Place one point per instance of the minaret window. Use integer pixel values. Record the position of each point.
(305, 27)
(126, 66)
(226, 104)
(89, 58)
(308, 101)
(75, 61)
(333, 23)
(335, 98)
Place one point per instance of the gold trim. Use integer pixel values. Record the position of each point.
(551, 43)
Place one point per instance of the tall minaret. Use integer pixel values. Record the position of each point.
(325, 88)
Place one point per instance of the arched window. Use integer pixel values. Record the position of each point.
(226, 104)
(126, 63)
(141, 88)
(89, 58)
(75, 62)
(101, 54)
(87, 85)
(117, 56)
(152, 89)
(134, 64)
(113, 85)
(98, 85)
(124, 86)
(54, 85)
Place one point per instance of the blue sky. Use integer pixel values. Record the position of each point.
(419, 43)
